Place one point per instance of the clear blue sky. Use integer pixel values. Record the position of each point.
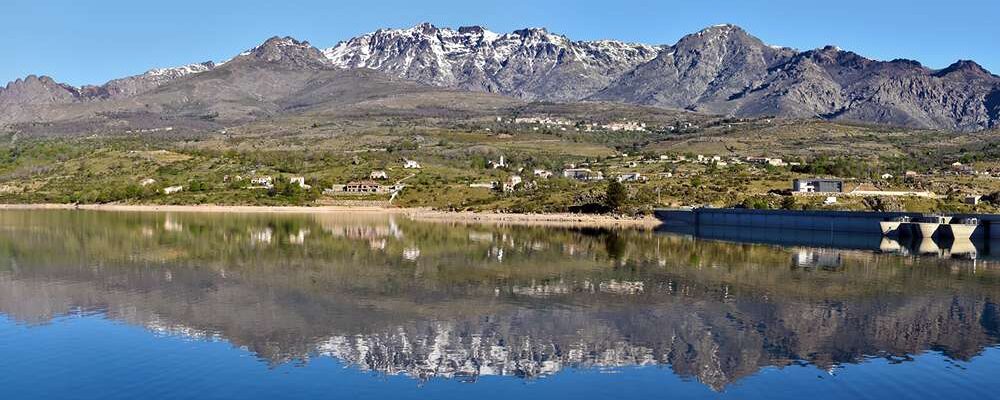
(92, 41)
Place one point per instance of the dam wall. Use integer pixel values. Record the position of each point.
(858, 222)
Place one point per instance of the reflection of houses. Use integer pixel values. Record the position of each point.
(817, 258)
(411, 253)
(171, 225)
(263, 235)
(622, 287)
(298, 238)
(363, 231)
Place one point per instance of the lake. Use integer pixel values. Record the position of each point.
(124, 305)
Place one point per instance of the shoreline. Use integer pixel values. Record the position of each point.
(419, 214)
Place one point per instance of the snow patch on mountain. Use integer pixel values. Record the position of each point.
(529, 63)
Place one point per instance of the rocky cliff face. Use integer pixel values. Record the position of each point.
(528, 63)
(721, 69)
(724, 70)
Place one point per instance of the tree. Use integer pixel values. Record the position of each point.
(788, 203)
(616, 196)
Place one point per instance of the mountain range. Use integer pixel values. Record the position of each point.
(721, 70)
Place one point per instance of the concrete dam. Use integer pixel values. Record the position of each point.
(848, 222)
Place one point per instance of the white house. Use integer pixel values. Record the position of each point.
(147, 182)
(411, 164)
(544, 174)
(299, 180)
(511, 183)
(886, 176)
(172, 189)
(379, 175)
(631, 177)
(264, 181)
(582, 174)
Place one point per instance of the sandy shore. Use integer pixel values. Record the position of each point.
(414, 213)
(537, 219)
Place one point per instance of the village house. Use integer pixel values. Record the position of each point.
(511, 183)
(973, 199)
(631, 177)
(411, 164)
(301, 181)
(818, 185)
(147, 182)
(363, 187)
(583, 174)
(378, 175)
(262, 181)
(962, 169)
(544, 174)
(172, 189)
(767, 161)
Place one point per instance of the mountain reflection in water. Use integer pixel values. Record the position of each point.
(395, 296)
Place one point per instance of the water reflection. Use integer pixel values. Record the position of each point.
(387, 294)
(942, 247)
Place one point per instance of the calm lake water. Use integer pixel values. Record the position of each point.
(105, 305)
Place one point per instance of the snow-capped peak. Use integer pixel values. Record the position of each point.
(184, 70)
(474, 57)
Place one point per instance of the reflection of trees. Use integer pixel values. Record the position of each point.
(557, 297)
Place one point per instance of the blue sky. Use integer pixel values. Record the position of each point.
(92, 41)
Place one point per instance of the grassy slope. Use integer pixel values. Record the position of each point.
(334, 148)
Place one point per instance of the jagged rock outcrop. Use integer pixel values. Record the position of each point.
(528, 63)
(721, 69)
(724, 70)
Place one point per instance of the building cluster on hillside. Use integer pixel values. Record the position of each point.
(547, 121)
(626, 126)
(623, 125)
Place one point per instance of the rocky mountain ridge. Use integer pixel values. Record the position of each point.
(720, 70)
